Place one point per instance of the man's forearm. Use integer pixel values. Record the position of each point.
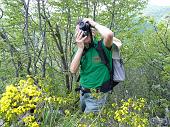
(76, 61)
(106, 34)
(104, 31)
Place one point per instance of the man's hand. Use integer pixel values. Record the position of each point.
(91, 22)
(117, 42)
(74, 66)
(80, 39)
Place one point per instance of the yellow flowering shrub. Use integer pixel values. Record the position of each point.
(131, 113)
(19, 99)
(27, 100)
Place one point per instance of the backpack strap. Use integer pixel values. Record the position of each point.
(102, 55)
(105, 61)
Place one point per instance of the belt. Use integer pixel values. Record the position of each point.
(87, 90)
(104, 88)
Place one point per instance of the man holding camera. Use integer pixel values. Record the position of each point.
(93, 73)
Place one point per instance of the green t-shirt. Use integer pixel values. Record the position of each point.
(93, 73)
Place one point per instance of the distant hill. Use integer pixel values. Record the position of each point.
(157, 12)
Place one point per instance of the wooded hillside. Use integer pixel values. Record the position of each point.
(37, 44)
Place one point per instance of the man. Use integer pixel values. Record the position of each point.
(93, 73)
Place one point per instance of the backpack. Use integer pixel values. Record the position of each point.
(117, 72)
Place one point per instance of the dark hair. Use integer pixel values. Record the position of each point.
(79, 20)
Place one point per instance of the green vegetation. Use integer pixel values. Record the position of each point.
(36, 48)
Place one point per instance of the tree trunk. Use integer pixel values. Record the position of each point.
(12, 50)
(26, 41)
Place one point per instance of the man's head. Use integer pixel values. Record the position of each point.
(86, 28)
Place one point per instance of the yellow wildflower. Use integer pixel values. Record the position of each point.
(34, 124)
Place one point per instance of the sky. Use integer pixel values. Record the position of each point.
(160, 2)
(152, 2)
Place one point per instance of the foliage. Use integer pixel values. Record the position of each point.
(37, 38)
(25, 102)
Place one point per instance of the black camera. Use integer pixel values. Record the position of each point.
(85, 27)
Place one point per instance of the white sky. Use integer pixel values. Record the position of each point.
(160, 2)
(152, 2)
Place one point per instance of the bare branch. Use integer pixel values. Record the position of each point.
(162, 41)
(1, 12)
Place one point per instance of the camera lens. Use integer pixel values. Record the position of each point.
(82, 26)
(85, 27)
